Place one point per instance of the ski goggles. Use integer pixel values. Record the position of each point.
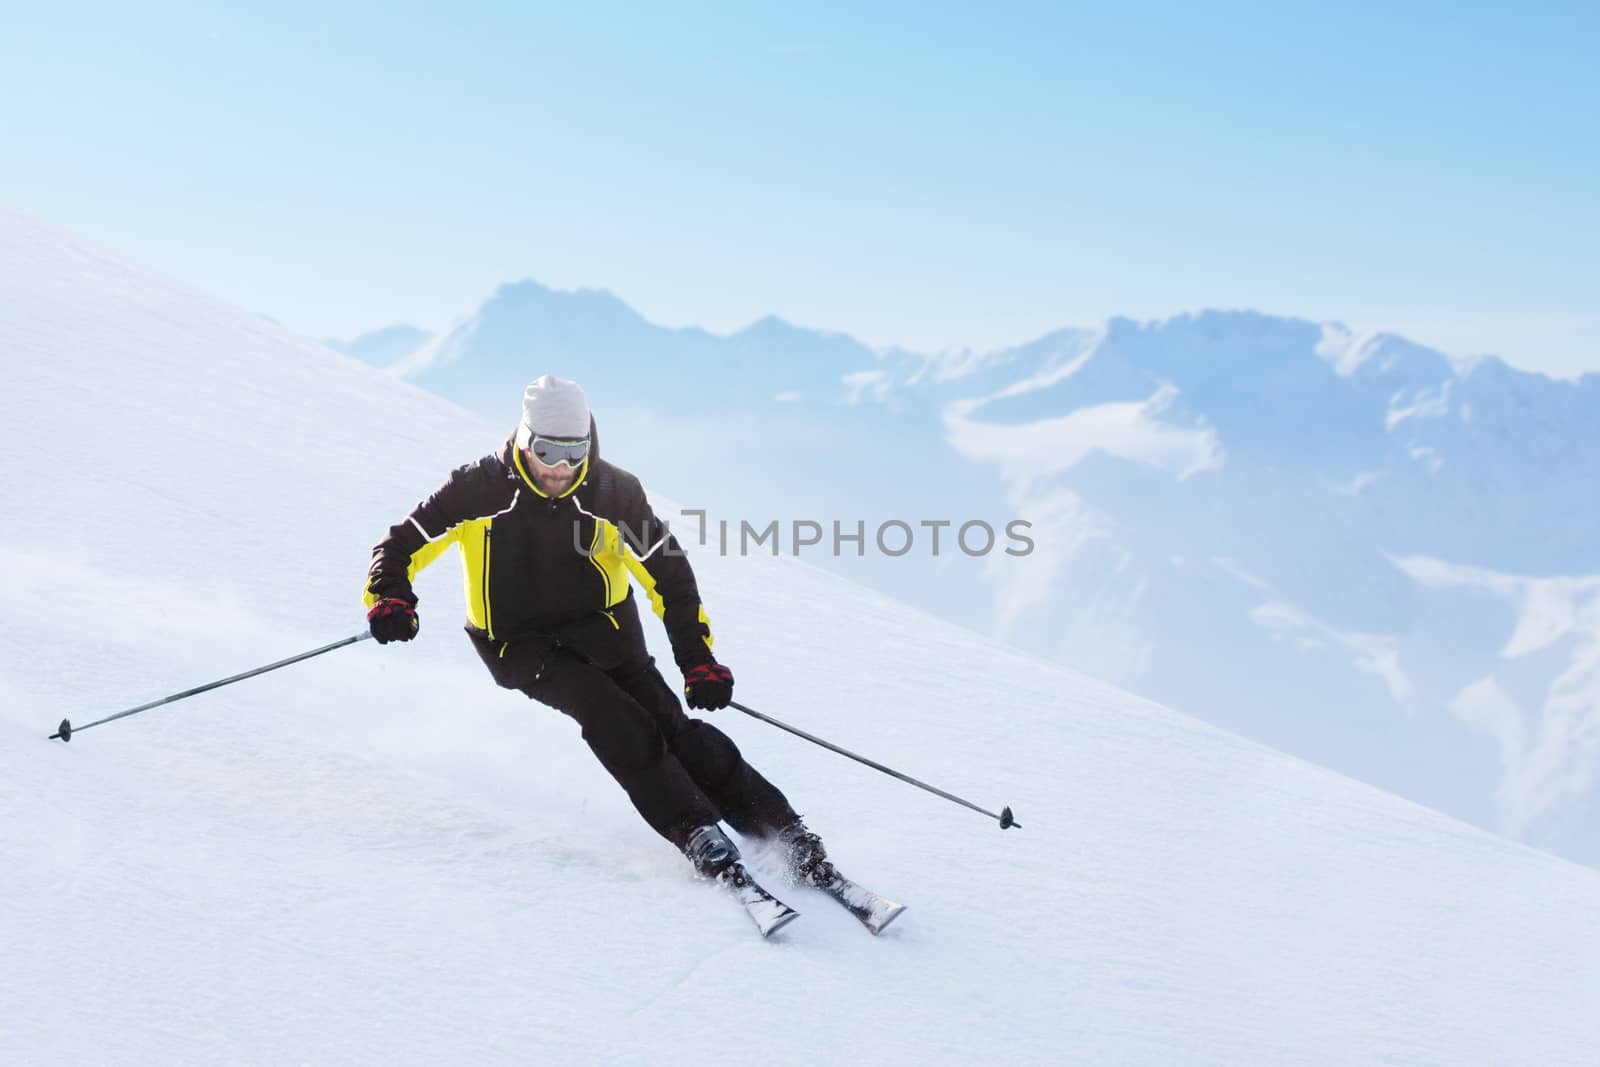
(559, 451)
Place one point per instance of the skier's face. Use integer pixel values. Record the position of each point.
(552, 481)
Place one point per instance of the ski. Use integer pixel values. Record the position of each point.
(765, 910)
(875, 912)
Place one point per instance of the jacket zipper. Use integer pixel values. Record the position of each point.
(488, 621)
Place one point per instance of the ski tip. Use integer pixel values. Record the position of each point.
(888, 917)
(1007, 820)
(779, 923)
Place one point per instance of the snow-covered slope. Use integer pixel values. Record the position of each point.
(378, 857)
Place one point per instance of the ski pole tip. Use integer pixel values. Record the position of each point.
(64, 732)
(1007, 820)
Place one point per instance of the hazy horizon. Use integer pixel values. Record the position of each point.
(911, 176)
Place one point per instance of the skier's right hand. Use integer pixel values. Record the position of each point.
(708, 686)
(392, 619)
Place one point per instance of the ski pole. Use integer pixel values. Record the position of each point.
(67, 729)
(1005, 817)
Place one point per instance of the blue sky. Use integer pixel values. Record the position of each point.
(911, 173)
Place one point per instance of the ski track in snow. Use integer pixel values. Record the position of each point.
(376, 856)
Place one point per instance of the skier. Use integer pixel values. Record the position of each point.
(549, 533)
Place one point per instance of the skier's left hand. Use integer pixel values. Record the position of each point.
(392, 619)
(708, 686)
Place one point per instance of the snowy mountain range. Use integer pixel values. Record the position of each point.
(1234, 514)
(377, 856)
(382, 348)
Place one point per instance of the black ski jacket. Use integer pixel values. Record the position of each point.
(536, 565)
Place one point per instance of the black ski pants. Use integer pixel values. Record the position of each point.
(679, 772)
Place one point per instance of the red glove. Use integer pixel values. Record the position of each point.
(392, 619)
(708, 686)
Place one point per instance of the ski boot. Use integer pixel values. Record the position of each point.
(712, 854)
(717, 858)
(805, 857)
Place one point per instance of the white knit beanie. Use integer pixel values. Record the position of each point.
(553, 407)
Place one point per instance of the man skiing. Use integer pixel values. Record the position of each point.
(549, 534)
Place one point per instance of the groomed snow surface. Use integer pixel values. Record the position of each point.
(378, 857)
